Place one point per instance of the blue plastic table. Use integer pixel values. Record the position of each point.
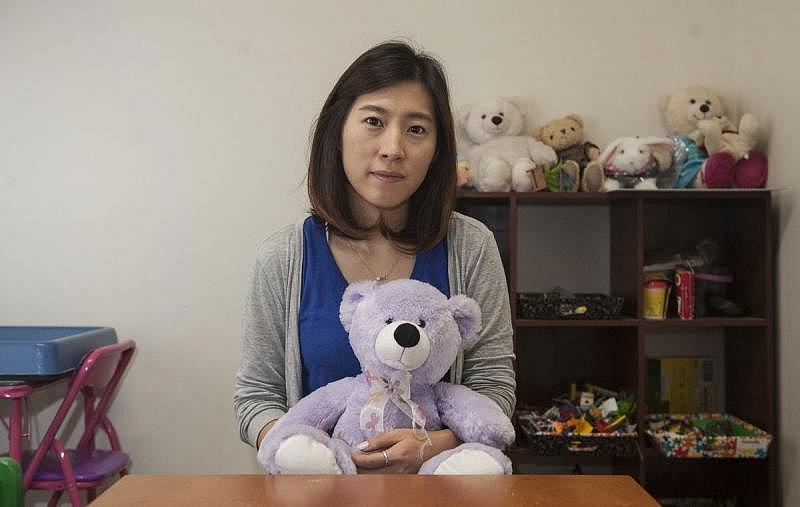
(32, 357)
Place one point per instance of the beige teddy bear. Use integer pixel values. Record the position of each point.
(697, 114)
(565, 136)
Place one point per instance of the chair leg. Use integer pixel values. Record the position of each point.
(54, 498)
(69, 477)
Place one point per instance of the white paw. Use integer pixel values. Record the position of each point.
(647, 184)
(521, 180)
(611, 184)
(469, 462)
(303, 455)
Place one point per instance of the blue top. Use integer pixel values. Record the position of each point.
(324, 348)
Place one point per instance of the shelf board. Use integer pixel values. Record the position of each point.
(577, 323)
(646, 323)
(571, 197)
(575, 197)
(706, 322)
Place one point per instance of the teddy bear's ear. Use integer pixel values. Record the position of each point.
(353, 295)
(576, 118)
(537, 134)
(519, 103)
(462, 114)
(663, 103)
(467, 315)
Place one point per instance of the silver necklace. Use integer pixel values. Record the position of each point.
(378, 278)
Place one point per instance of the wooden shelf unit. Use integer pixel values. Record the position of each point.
(611, 353)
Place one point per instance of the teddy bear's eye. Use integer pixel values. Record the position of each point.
(641, 151)
(708, 102)
(389, 320)
(421, 322)
(621, 152)
(551, 137)
(483, 117)
(572, 129)
(502, 114)
(692, 101)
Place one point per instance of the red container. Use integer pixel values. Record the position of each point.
(684, 293)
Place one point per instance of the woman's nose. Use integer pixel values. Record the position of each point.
(392, 145)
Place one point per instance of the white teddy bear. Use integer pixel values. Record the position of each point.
(499, 157)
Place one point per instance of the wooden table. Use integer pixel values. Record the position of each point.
(376, 490)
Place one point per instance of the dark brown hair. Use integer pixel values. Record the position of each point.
(432, 204)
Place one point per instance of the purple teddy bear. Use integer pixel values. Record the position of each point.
(405, 334)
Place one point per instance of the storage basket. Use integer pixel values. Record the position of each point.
(747, 441)
(553, 305)
(619, 445)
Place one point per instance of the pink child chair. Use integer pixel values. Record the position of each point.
(51, 467)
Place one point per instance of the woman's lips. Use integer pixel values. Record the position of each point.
(387, 177)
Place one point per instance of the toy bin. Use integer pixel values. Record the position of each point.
(34, 352)
(707, 436)
(618, 444)
(554, 305)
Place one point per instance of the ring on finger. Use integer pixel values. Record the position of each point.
(385, 458)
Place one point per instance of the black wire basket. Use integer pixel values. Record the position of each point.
(554, 305)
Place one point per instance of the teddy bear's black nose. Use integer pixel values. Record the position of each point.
(406, 335)
(497, 120)
(704, 108)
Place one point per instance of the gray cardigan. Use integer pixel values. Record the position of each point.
(269, 378)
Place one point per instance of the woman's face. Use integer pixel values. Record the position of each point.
(388, 143)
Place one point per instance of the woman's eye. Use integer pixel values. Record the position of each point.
(389, 320)
(373, 122)
(416, 129)
(421, 323)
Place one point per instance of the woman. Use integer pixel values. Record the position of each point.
(382, 183)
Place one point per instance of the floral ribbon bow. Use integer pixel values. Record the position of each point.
(397, 389)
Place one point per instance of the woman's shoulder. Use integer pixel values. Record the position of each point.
(467, 230)
(281, 243)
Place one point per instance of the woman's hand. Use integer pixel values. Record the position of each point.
(406, 453)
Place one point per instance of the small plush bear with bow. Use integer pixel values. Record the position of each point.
(406, 334)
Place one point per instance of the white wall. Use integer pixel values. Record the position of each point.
(768, 77)
(147, 147)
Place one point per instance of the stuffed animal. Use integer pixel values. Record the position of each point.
(405, 334)
(708, 152)
(499, 159)
(579, 158)
(732, 160)
(635, 162)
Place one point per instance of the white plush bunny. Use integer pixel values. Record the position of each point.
(635, 162)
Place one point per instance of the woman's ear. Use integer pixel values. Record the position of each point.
(353, 295)
(467, 315)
